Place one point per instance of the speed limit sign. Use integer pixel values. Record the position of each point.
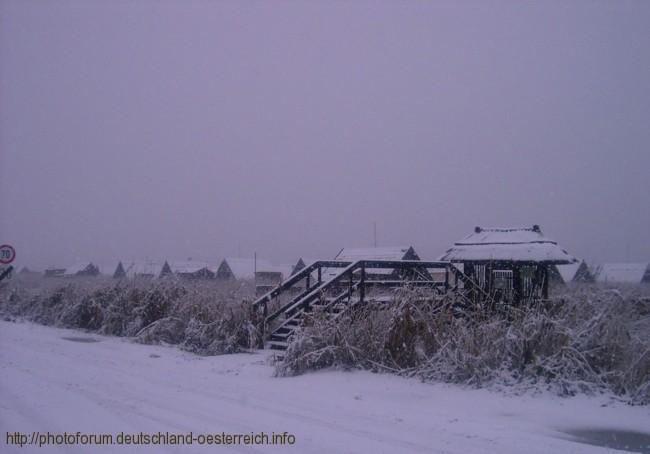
(7, 254)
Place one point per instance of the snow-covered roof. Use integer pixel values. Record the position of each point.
(108, 268)
(508, 244)
(25, 270)
(568, 271)
(376, 253)
(134, 269)
(188, 266)
(285, 270)
(245, 268)
(77, 268)
(621, 272)
(306, 261)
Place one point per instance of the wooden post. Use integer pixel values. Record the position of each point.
(264, 314)
(517, 283)
(350, 288)
(468, 270)
(362, 286)
(488, 277)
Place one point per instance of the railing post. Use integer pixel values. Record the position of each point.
(350, 285)
(362, 284)
(263, 328)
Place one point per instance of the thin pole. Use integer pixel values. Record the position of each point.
(374, 225)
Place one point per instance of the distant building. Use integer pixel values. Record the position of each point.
(375, 253)
(81, 269)
(25, 271)
(241, 268)
(109, 268)
(54, 272)
(166, 270)
(510, 264)
(623, 273)
(190, 269)
(571, 273)
(300, 264)
(268, 277)
(140, 270)
(120, 272)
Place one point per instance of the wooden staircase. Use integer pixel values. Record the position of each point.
(346, 288)
(334, 306)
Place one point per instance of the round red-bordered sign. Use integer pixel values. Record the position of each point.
(7, 254)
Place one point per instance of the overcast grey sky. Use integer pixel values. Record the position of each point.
(162, 129)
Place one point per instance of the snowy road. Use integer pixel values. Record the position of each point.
(50, 383)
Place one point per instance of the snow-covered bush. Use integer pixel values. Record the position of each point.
(204, 317)
(585, 339)
(219, 323)
(588, 339)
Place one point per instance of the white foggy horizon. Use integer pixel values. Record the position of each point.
(166, 130)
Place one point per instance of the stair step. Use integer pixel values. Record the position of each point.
(277, 345)
(281, 335)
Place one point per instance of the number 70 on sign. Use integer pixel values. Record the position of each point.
(7, 254)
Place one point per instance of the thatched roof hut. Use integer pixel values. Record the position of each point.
(510, 264)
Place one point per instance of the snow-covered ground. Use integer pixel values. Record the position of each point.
(50, 383)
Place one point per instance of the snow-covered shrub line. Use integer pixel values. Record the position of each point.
(206, 318)
(586, 340)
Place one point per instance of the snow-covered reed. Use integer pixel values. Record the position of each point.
(204, 317)
(584, 340)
